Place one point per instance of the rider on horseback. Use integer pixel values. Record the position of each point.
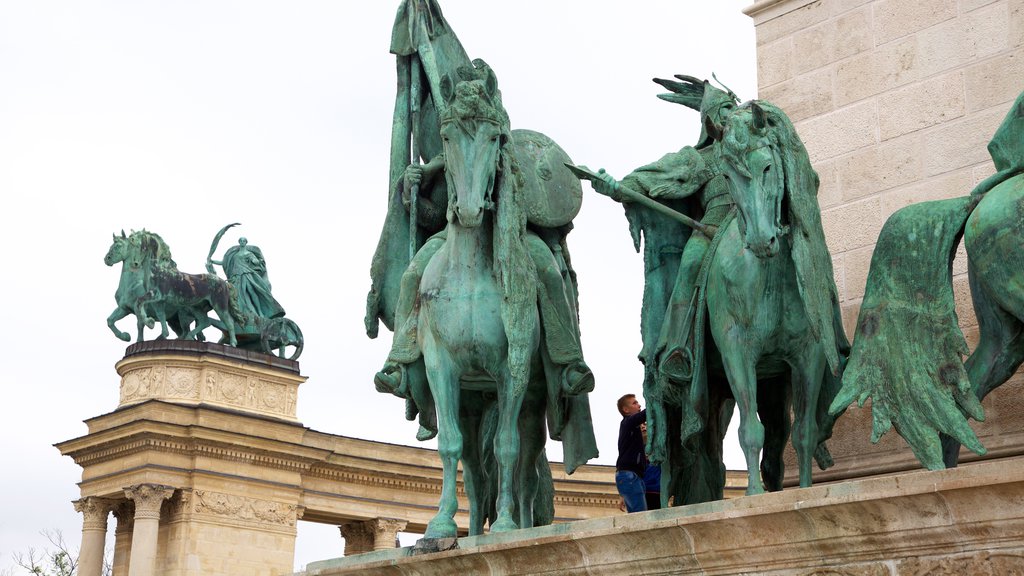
(691, 173)
(556, 294)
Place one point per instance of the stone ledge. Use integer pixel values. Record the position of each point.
(867, 526)
(196, 348)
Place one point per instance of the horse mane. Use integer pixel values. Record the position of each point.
(153, 246)
(809, 250)
(476, 98)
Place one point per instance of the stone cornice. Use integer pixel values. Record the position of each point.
(767, 9)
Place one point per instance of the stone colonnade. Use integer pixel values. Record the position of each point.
(136, 534)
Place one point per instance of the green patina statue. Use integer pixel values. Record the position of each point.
(908, 350)
(472, 272)
(245, 311)
(764, 295)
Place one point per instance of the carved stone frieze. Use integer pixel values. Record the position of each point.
(245, 508)
(195, 383)
(1010, 563)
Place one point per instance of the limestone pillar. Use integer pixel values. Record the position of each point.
(371, 535)
(358, 537)
(385, 531)
(148, 498)
(124, 512)
(94, 534)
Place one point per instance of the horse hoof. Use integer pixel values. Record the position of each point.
(503, 525)
(389, 380)
(441, 528)
(424, 434)
(124, 337)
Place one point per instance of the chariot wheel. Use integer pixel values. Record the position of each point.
(278, 335)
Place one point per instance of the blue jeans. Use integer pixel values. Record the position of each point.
(631, 488)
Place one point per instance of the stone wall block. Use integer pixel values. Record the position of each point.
(839, 275)
(832, 40)
(962, 298)
(785, 25)
(934, 101)
(875, 169)
(804, 96)
(897, 18)
(960, 260)
(857, 263)
(968, 5)
(983, 171)
(871, 73)
(1016, 26)
(943, 187)
(853, 225)
(961, 143)
(995, 81)
(850, 311)
(958, 42)
(841, 131)
(774, 62)
(843, 6)
(828, 187)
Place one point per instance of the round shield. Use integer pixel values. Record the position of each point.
(553, 195)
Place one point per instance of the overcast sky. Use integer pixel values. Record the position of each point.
(184, 116)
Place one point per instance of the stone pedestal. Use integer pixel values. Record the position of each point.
(215, 427)
(968, 520)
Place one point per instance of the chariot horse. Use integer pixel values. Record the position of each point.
(770, 298)
(151, 282)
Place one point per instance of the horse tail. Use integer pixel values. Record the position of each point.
(907, 354)
(517, 275)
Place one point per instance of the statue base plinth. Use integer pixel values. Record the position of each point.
(968, 520)
(433, 545)
(194, 373)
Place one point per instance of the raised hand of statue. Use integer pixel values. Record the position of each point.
(605, 184)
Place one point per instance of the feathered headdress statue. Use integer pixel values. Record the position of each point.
(698, 95)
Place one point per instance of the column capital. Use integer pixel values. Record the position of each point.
(358, 537)
(95, 511)
(148, 498)
(385, 530)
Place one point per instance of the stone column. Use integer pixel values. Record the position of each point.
(385, 531)
(148, 498)
(358, 537)
(124, 512)
(94, 534)
(371, 535)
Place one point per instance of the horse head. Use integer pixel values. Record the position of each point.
(118, 250)
(474, 128)
(754, 168)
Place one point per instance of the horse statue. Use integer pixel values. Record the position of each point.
(479, 324)
(150, 282)
(908, 350)
(771, 301)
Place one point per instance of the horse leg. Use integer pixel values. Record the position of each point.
(739, 368)
(506, 450)
(471, 410)
(116, 315)
(532, 432)
(774, 399)
(808, 373)
(444, 384)
(1000, 350)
